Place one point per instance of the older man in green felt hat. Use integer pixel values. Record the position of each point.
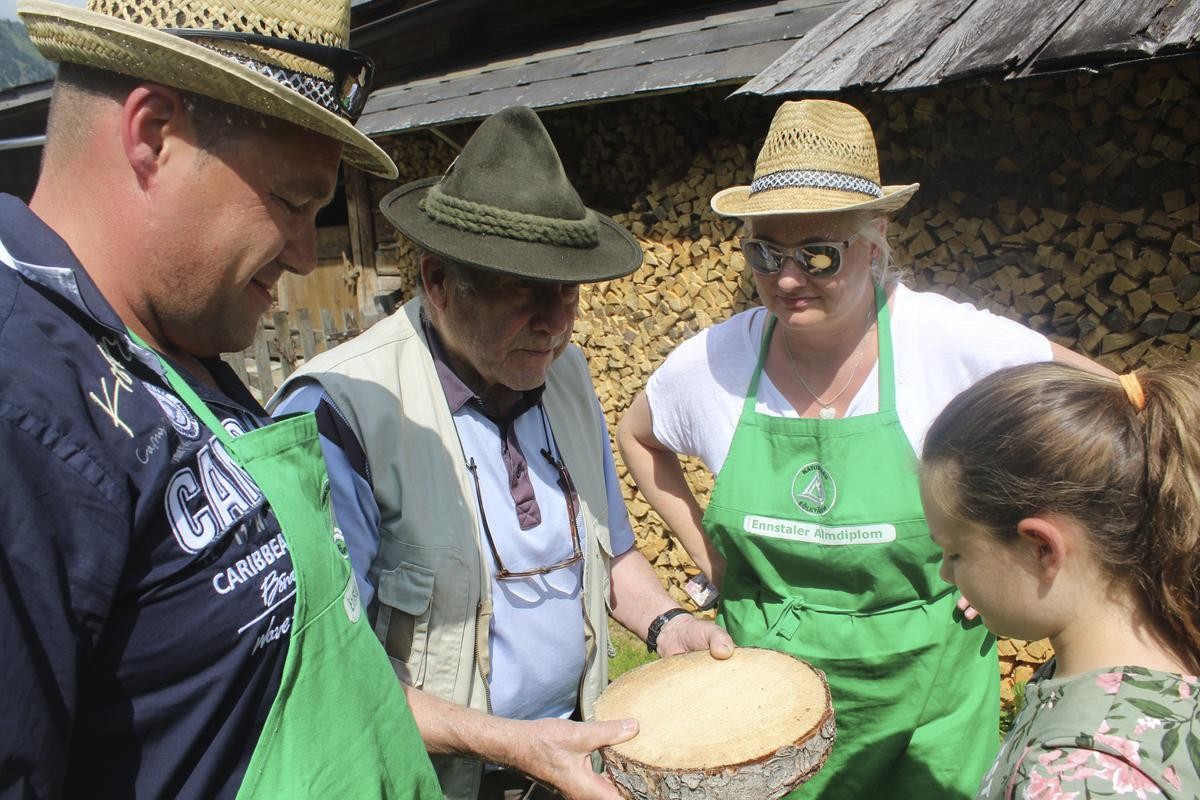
(473, 475)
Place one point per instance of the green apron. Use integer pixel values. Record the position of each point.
(340, 725)
(829, 559)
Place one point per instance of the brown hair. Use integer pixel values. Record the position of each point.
(1045, 438)
(76, 87)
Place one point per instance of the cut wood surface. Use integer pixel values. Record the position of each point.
(750, 727)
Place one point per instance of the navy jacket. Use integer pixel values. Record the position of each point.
(145, 588)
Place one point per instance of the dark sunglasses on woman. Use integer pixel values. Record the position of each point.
(815, 259)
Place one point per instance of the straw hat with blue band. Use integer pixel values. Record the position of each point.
(281, 58)
(819, 157)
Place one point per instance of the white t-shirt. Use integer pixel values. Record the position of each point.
(940, 347)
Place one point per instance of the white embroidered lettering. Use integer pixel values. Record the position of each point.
(193, 529)
(274, 584)
(122, 380)
(273, 633)
(222, 493)
(156, 439)
(227, 579)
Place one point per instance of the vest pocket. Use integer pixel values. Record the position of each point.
(405, 600)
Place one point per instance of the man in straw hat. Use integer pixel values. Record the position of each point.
(473, 474)
(811, 410)
(179, 619)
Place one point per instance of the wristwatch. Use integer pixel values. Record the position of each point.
(657, 625)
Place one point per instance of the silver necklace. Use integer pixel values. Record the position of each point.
(827, 410)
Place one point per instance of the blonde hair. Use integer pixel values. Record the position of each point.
(1044, 438)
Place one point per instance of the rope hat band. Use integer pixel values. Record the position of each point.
(472, 217)
(819, 156)
(130, 37)
(505, 204)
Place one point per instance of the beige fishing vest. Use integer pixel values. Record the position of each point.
(432, 608)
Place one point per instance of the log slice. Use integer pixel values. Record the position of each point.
(752, 727)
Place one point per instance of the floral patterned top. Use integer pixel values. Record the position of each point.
(1117, 732)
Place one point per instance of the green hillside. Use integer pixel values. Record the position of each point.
(20, 62)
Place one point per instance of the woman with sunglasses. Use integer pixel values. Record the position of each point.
(810, 412)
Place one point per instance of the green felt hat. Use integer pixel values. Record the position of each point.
(505, 204)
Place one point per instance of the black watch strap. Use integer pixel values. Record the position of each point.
(657, 625)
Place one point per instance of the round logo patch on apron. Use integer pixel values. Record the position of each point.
(813, 489)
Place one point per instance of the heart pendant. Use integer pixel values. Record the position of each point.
(827, 412)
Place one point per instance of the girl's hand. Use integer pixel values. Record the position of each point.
(968, 610)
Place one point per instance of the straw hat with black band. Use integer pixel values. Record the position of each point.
(505, 205)
(283, 58)
(819, 157)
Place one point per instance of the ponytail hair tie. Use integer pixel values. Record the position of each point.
(1133, 389)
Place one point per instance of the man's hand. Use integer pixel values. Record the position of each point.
(685, 633)
(557, 752)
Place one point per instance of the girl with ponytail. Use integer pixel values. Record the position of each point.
(1067, 506)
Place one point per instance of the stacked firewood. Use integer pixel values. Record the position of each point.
(1070, 205)
(693, 276)
(1018, 661)
(1121, 286)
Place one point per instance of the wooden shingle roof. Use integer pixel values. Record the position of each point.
(723, 46)
(893, 45)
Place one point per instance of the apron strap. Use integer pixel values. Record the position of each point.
(887, 367)
(887, 371)
(187, 394)
(752, 391)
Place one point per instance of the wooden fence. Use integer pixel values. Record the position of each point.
(287, 339)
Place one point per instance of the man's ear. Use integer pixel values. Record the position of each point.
(1047, 544)
(150, 117)
(433, 279)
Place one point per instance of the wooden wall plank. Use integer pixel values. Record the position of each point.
(283, 342)
(1184, 33)
(361, 230)
(308, 340)
(773, 22)
(830, 30)
(1101, 27)
(332, 284)
(989, 37)
(327, 329)
(264, 381)
(238, 362)
(588, 66)
(700, 70)
(879, 46)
